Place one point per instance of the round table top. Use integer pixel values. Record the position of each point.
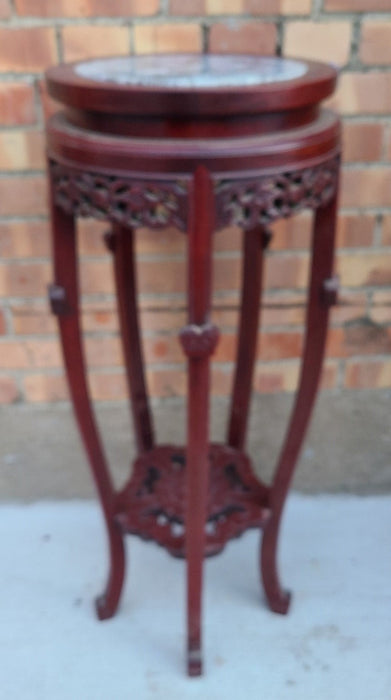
(191, 71)
(191, 84)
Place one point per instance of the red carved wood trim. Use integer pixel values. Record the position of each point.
(249, 202)
(121, 200)
(245, 202)
(152, 505)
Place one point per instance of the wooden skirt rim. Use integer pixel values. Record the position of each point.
(162, 158)
(238, 175)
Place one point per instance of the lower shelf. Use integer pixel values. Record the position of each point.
(152, 505)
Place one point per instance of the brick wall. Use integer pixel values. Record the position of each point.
(356, 34)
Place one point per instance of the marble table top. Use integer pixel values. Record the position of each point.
(191, 71)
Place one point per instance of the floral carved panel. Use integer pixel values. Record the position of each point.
(243, 202)
(118, 199)
(252, 201)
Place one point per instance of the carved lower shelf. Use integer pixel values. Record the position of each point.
(153, 503)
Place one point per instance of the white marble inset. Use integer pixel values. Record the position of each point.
(191, 71)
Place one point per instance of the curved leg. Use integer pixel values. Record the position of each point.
(322, 295)
(106, 604)
(255, 241)
(198, 339)
(64, 298)
(122, 245)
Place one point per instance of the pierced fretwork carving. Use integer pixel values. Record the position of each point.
(153, 504)
(245, 202)
(253, 201)
(121, 200)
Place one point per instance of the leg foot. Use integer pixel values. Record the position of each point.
(107, 603)
(103, 611)
(278, 598)
(280, 602)
(194, 662)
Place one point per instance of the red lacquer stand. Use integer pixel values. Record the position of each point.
(199, 143)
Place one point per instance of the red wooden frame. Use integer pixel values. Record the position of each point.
(202, 160)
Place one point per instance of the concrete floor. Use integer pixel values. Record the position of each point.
(334, 644)
(348, 448)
